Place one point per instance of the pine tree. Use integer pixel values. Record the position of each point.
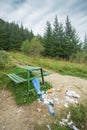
(61, 41)
(85, 43)
(4, 35)
(71, 39)
(55, 46)
(48, 39)
(12, 36)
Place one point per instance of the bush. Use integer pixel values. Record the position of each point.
(79, 57)
(79, 116)
(32, 48)
(4, 59)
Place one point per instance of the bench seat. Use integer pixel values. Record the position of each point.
(16, 78)
(39, 74)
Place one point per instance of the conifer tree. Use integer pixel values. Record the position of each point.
(71, 39)
(12, 36)
(85, 43)
(48, 39)
(55, 46)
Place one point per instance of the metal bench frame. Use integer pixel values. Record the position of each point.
(38, 71)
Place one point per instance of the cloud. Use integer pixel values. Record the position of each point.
(35, 13)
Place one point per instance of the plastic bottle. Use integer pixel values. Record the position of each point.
(51, 109)
(36, 84)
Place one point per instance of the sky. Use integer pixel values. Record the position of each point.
(34, 14)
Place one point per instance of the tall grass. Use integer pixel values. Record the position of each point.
(62, 67)
(20, 93)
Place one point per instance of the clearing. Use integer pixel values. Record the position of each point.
(25, 117)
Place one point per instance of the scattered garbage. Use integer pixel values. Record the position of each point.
(36, 84)
(41, 99)
(71, 125)
(19, 110)
(48, 127)
(49, 90)
(71, 100)
(68, 116)
(60, 89)
(51, 110)
(39, 109)
(72, 94)
(67, 122)
(56, 101)
(50, 97)
(66, 105)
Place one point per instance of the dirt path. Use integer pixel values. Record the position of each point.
(13, 117)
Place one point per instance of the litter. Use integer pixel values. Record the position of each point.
(51, 109)
(49, 90)
(66, 122)
(41, 99)
(72, 94)
(36, 84)
(66, 105)
(71, 100)
(68, 116)
(71, 125)
(39, 109)
(56, 101)
(48, 127)
(60, 89)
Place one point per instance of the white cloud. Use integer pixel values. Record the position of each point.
(35, 13)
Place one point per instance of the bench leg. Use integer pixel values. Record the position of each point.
(28, 77)
(42, 76)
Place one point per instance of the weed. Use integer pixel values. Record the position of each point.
(20, 92)
(62, 67)
(79, 115)
(4, 59)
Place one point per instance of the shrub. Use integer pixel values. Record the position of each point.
(32, 48)
(79, 57)
(4, 58)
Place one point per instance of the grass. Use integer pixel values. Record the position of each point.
(20, 93)
(62, 67)
(78, 116)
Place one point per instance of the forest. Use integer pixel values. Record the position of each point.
(58, 41)
(61, 53)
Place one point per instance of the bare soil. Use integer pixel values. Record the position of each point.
(25, 117)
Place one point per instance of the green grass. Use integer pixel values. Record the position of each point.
(62, 67)
(78, 116)
(20, 93)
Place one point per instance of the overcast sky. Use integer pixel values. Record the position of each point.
(34, 14)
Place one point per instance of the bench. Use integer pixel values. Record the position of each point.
(39, 74)
(16, 78)
(36, 72)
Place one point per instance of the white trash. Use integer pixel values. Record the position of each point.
(72, 94)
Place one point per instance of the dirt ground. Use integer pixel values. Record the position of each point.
(25, 117)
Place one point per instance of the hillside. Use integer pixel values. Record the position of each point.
(36, 115)
(26, 117)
